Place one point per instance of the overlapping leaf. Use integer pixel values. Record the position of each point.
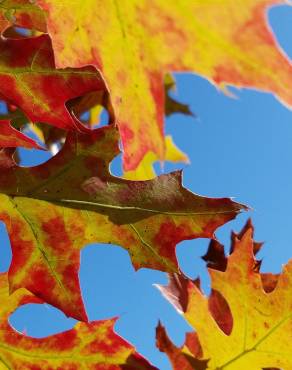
(21, 13)
(10, 137)
(94, 103)
(92, 346)
(228, 42)
(246, 323)
(145, 169)
(53, 210)
(30, 81)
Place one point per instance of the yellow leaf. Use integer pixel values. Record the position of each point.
(245, 323)
(136, 42)
(52, 210)
(145, 169)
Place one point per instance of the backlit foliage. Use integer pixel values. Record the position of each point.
(61, 59)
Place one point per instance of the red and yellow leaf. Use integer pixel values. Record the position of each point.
(10, 137)
(53, 210)
(145, 169)
(30, 81)
(92, 345)
(246, 323)
(94, 103)
(21, 13)
(135, 43)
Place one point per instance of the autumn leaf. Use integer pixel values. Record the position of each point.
(181, 358)
(244, 324)
(228, 42)
(49, 135)
(10, 137)
(30, 81)
(92, 345)
(51, 211)
(21, 13)
(145, 169)
(93, 103)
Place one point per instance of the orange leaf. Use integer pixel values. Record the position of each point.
(135, 43)
(10, 137)
(51, 211)
(246, 323)
(94, 346)
(30, 81)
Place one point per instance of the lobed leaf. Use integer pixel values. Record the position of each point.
(228, 42)
(30, 81)
(93, 103)
(21, 13)
(92, 345)
(10, 137)
(244, 324)
(53, 210)
(145, 169)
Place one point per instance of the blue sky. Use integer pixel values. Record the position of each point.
(239, 148)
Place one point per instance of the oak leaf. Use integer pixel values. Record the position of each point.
(245, 323)
(21, 13)
(51, 211)
(92, 345)
(94, 103)
(145, 169)
(135, 43)
(30, 81)
(10, 137)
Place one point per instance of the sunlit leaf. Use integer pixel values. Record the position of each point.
(145, 169)
(244, 324)
(10, 137)
(92, 346)
(21, 13)
(30, 81)
(135, 43)
(51, 211)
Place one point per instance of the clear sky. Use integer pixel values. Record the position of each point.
(240, 148)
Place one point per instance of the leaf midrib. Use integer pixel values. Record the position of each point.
(254, 347)
(75, 203)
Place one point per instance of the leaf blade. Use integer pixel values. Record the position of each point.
(261, 318)
(73, 200)
(94, 345)
(217, 40)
